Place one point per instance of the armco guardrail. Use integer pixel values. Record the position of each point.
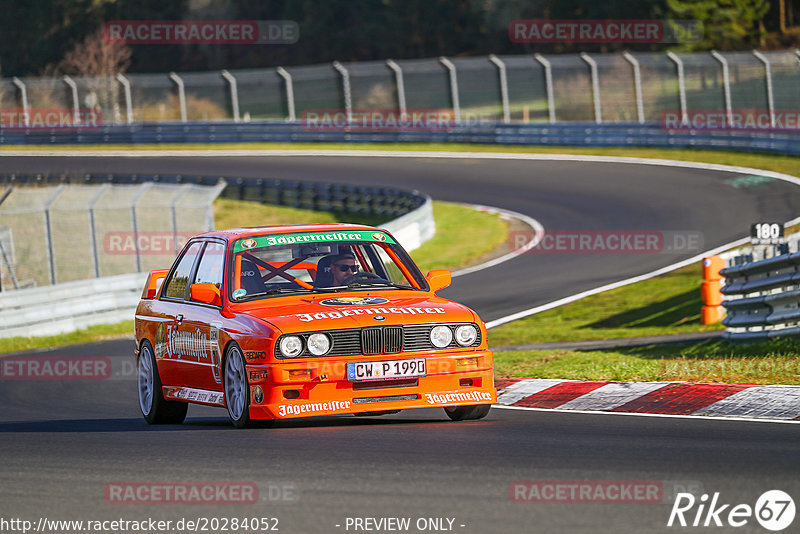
(67, 307)
(567, 133)
(762, 298)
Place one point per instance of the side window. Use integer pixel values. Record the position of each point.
(211, 264)
(179, 281)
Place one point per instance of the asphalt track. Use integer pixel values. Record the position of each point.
(63, 441)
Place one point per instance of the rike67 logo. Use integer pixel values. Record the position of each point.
(774, 510)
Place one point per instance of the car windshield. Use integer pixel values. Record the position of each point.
(349, 260)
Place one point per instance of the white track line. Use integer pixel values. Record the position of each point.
(536, 226)
(635, 414)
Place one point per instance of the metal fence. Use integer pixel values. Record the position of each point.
(68, 232)
(628, 87)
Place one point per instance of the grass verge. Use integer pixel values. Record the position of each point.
(666, 304)
(773, 362)
(448, 249)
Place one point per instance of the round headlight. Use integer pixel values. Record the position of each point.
(466, 335)
(441, 336)
(318, 344)
(291, 346)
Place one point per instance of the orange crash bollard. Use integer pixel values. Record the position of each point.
(712, 311)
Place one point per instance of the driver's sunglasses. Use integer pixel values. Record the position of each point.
(345, 268)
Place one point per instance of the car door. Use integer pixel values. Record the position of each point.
(202, 321)
(171, 348)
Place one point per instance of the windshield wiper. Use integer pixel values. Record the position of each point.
(377, 283)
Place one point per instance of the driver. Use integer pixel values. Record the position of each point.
(343, 266)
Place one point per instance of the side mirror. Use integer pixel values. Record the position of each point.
(153, 284)
(207, 293)
(439, 279)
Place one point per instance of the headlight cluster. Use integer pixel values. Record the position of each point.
(442, 336)
(317, 344)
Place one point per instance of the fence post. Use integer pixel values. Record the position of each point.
(768, 76)
(400, 85)
(181, 95)
(548, 80)
(93, 230)
(726, 83)
(126, 86)
(287, 78)
(142, 190)
(348, 103)
(186, 188)
(681, 86)
(453, 86)
(76, 115)
(48, 229)
(234, 94)
(598, 113)
(637, 85)
(501, 69)
(24, 92)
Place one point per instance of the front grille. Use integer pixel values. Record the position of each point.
(392, 339)
(375, 340)
(365, 400)
(371, 340)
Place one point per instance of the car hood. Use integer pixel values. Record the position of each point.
(303, 314)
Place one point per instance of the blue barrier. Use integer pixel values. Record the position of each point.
(563, 134)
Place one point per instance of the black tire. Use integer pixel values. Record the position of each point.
(467, 413)
(236, 387)
(154, 407)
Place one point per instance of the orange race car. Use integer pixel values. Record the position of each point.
(297, 321)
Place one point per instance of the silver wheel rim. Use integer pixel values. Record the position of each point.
(235, 384)
(145, 381)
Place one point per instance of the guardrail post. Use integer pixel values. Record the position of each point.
(598, 114)
(637, 85)
(348, 103)
(681, 86)
(768, 78)
(234, 94)
(451, 68)
(126, 86)
(76, 115)
(26, 111)
(181, 94)
(548, 83)
(501, 70)
(287, 78)
(48, 230)
(726, 83)
(399, 85)
(93, 230)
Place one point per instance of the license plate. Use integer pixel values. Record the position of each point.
(385, 370)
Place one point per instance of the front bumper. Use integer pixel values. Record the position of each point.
(311, 388)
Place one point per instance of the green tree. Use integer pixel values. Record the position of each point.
(727, 24)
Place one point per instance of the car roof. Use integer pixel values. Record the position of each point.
(235, 233)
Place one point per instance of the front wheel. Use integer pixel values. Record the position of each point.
(466, 413)
(237, 391)
(155, 408)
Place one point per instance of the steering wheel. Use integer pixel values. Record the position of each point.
(362, 276)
